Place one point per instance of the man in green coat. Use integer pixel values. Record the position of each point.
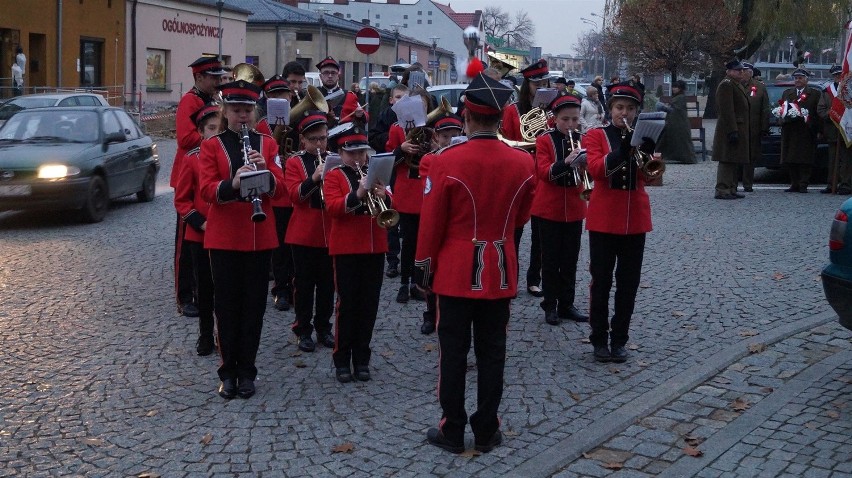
(839, 155)
(758, 119)
(731, 140)
(799, 134)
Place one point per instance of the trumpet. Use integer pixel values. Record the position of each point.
(385, 217)
(320, 164)
(257, 214)
(581, 172)
(652, 168)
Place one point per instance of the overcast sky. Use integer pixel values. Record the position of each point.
(557, 22)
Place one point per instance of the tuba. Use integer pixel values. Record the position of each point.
(249, 73)
(313, 100)
(652, 168)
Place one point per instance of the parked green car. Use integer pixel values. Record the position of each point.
(74, 158)
(837, 275)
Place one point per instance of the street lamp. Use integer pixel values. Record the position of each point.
(395, 27)
(595, 49)
(435, 58)
(219, 5)
(603, 26)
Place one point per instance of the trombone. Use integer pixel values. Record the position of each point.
(652, 168)
(581, 173)
(385, 216)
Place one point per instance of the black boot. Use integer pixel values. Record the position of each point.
(551, 317)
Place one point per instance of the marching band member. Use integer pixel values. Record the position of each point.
(329, 71)
(308, 235)
(559, 210)
(476, 194)
(618, 218)
(446, 128)
(357, 246)
(240, 248)
(206, 72)
(535, 76)
(408, 197)
(193, 211)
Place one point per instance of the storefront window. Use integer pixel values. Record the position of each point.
(156, 69)
(91, 62)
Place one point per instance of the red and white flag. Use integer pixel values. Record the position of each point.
(840, 114)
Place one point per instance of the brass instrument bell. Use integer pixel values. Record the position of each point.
(313, 100)
(249, 73)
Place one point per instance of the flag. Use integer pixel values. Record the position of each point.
(840, 114)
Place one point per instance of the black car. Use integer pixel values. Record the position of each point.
(770, 146)
(74, 158)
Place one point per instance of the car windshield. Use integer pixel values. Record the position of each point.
(51, 125)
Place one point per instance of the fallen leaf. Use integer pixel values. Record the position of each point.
(614, 370)
(585, 341)
(587, 456)
(430, 347)
(678, 313)
(767, 389)
(756, 348)
(740, 405)
(206, 439)
(845, 379)
(149, 474)
(387, 354)
(688, 326)
(575, 396)
(299, 364)
(93, 441)
(748, 333)
(470, 453)
(692, 441)
(633, 347)
(644, 285)
(613, 466)
(832, 414)
(778, 276)
(152, 413)
(691, 451)
(344, 448)
(642, 363)
(510, 433)
(296, 354)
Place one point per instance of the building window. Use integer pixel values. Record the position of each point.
(404, 25)
(429, 22)
(419, 22)
(378, 16)
(405, 17)
(253, 60)
(420, 12)
(157, 68)
(348, 15)
(378, 25)
(429, 13)
(304, 36)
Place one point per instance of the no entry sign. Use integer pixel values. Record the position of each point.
(367, 40)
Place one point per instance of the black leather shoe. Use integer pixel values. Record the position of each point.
(189, 309)
(306, 344)
(435, 437)
(362, 373)
(748, 189)
(344, 375)
(416, 293)
(393, 271)
(402, 295)
(825, 191)
(619, 354)
(602, 354)
(535, 291)
(792, 189)
(725, 196)
(738, 195)
(204, 345)
(281, 302)
(491, 444)
(246, 388)
(326, 339)
(427, 327)
(571, 313)
(228, 388)
(551, 317)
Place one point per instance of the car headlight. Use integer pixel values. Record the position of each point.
(57, 171)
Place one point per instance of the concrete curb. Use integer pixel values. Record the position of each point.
(724, 439)
(571, 448)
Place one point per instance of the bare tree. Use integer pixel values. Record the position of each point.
(517, 32)
(587, 44)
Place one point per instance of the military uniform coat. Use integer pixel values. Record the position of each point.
(188, 202)
(309, 225)
(476, 195)
(799, 137)
(557, 196)
(758, 115)
(733, 107)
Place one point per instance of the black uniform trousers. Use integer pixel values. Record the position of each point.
(560, 250)
(534, 269)
(358, 281)
(282, 256)
(393, 246)
(622, 253)
(409, 225)
(489, 320)
(184, 284)
(204, 281)
(800, 175)
(239, 297)
(314, 278)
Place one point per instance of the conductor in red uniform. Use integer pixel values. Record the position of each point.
(618, 218)
(240, 248)
(476, 194)
(560, 210)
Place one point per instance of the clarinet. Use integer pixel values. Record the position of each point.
(257, 214)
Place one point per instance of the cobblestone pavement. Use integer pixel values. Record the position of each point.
(101, 378)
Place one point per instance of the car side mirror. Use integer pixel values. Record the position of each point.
(116, 137)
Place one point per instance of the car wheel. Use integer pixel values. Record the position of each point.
(97, 200)
(149, 184)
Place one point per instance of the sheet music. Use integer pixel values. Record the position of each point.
(410, 112)
(331, 161)
(543, 97)
(278, 111)
(254, 183)
(381, 167)
(650, 125)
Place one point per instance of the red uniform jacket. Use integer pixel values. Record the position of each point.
(619, 203)
(557, 196)
(309, 225)
(263, 127)
(229, 224)
(510, 127)
(192, 209)
(188, 136)
(353, 230)
(476, 194)
(407, 185)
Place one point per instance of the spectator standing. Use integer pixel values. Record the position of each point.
(592, 110)
(731, 140)
(676, 141)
